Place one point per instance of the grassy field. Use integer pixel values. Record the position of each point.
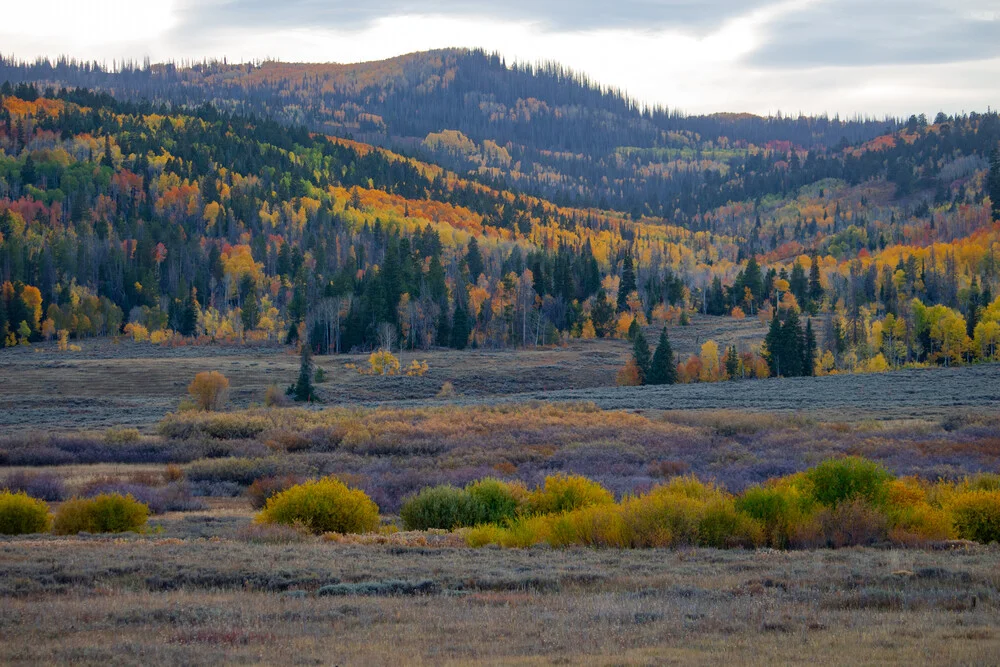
(176, 600)
(202, 585)
(132, 384)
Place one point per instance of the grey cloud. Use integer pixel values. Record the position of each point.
(561, 15)
(887, 32)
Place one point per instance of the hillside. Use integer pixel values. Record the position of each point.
(191, 221)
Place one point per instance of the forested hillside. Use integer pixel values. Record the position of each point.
(543, 129)
(212, 211)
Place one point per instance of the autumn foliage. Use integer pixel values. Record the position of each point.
(209, 390)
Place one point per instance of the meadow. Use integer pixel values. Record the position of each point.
(202, 583)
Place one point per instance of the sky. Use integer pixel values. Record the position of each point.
(847, 57)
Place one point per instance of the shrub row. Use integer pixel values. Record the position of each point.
(840, 502)
(106, 513)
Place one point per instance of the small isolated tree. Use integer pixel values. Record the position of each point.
(209, 390)
(663, 369)
(302, 391)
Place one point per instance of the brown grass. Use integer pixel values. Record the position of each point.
(235, 602)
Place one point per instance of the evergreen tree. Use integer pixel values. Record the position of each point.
(641, 355)
(627, 284)
(972, 308)
(716, 298)
(474, 260)
(793, 345)
(443, 338)
(634, 329)
(798, 284)
(995, 182)
(732, 363)
(752, 278)
(602, 314)
(815, 286)
(809, 351)
(250, 313)
(188, 325)
(302, 391)
(775, 346)
(460, 328)
(663, 370)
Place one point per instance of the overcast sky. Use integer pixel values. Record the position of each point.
(838, 56)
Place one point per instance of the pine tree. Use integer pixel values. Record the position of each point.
(443, 338)
(602, 314)
(189, 314)
(474, 260)
(809, 351)
(302, 391)
(799, 284)
(815, 286)
(634, 329)
(460, 328)
(793, 345)
(627, 284)
(752, 279)
(995, 182)
(774, 342)
(641, 355)
(732, 363)
(663, 370)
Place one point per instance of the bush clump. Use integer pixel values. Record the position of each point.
(106, 513)
(484, 501)
(21, 515)
(441, 506)
(977, 515)
(497, 501)
(322, 506)
(562, 493)
(44, 486)
(847, 479)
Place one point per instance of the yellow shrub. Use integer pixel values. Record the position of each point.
(562, 493)
(527, 531)
(383, 362)
(21, 514)
(977, 515)
(480, 536)
(323, 506)
(918, 523)
(597, 525)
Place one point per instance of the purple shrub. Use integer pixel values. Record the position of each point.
(174, 497)
(43, 486)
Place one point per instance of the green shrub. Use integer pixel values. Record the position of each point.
(781, 510)
(563, 493)
(848, 479)
(496, 501)
(20, 514)
(977, 515)
(323, 506)
(440, 507)
(106, 513)
(723, 527)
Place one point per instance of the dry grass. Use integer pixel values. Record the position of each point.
(169, 601)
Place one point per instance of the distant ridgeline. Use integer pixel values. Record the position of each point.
(187, 221)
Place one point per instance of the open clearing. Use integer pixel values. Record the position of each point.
(131, 384)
